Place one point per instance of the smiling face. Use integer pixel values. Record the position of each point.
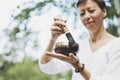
(92, 15)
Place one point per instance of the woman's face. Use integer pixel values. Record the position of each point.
(91, 15)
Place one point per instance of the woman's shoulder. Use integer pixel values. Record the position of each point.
(112, 39)
(116, 40)
(114, 48)
(115, 43)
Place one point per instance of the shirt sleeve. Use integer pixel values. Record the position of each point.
(113, 68)
(54, 66)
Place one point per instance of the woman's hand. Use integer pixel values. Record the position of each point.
(58, 27)
(72, 59)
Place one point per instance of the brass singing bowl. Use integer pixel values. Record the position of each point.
(66, 48)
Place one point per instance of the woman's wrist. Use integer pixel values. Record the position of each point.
(53, 39)
(80, 69)
(77, 65)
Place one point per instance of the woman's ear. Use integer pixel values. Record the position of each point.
(104, 12)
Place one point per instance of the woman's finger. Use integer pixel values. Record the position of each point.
(59, 18)
(57, 23)
(72, 55)
(56, 28)
(75, 58)
(59, 56)
(70, 59)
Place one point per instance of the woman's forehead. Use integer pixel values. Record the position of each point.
(88, 4)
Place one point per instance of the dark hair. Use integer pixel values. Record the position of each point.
(101, 3)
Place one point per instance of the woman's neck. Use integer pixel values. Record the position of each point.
(98, 35)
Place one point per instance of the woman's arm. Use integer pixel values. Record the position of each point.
(111, 73)
(74, 61)
(45, 58)
(56, 31)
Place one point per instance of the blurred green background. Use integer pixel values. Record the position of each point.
(23, 45)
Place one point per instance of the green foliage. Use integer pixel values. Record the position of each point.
(18, 35)
(13, 33)
(113, 30)
(25, 14)
(29, 70)
(111, 10)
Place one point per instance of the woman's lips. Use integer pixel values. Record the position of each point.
(89, 24)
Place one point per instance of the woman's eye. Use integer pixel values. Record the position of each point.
(91, 11)
(81, 14)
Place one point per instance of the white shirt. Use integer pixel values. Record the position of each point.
(104, 63)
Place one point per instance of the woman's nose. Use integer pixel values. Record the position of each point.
(87, 16)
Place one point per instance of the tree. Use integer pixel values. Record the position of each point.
(113, 12)
(28, 70)
(20, 36)
(117, 6)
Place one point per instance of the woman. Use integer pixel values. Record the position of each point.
(99, 55)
